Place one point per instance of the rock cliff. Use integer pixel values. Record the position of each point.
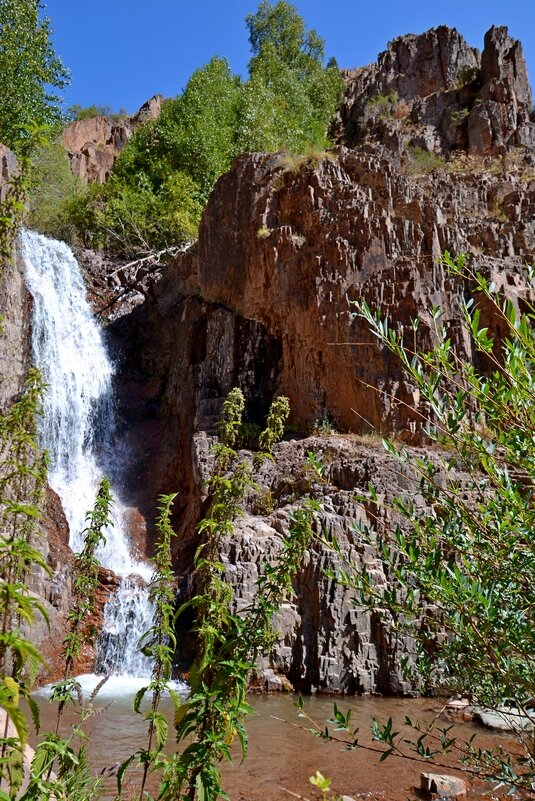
(435, 153)
(436, 92)
(94, 144)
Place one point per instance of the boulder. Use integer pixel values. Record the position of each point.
(442, 787)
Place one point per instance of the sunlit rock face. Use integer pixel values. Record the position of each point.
(436, 92)
(264, 301)
(94, 144)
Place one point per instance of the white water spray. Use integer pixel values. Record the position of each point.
(78, 431)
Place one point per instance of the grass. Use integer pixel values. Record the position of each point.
(294, 163)
(423, 162)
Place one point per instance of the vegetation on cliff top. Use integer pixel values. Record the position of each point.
(163, 177)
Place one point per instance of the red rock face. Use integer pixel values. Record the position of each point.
(435, 92)
(94, 144)
(293, 248)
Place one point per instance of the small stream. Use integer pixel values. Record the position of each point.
(281, 755)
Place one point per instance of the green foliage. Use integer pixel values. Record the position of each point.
(76, 112)
(383, 105)
(22, 479)
(86, 578)
(15, 190)
(290, 98)
(194, 133)
(322, 783)
(159, 642)
(30, 70)
(423, 162)
(464, 562)
(53, 191)
(165, 173)
(228, 644)
(278, 414)
(135, 220)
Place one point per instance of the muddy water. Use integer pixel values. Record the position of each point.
(282, 756)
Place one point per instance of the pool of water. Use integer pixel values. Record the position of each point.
(282, 754)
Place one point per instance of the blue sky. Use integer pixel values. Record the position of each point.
(121, 52)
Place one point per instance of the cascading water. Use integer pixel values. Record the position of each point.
(78, 431)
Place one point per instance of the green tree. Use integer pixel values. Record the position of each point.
(279, 27)
(77, 112)
(53, 189)
(291, 96)
(30, 70)
(194, 134)
(462, 561)
(164, 175)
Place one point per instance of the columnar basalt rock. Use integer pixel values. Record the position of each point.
(501, 115)
(354, 228)
(434, 91)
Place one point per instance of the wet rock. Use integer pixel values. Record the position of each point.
(506, 718)
(271, 682)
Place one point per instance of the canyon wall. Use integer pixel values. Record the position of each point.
(435, 151)
(264, 301)
(93, 144)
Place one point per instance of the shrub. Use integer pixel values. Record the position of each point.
(134, 220)
(383, 105)
(54, 188)
(77, 112)
(422, 162)
(462, 563)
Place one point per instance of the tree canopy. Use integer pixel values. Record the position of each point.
(30, 69)
(287, 103)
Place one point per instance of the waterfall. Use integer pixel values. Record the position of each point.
(78, 430)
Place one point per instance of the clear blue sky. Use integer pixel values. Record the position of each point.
(121, 52)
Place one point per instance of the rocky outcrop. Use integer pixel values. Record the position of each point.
(14, 306)
(94, 144)
(292, 248)
(435, 92)
(326, 643)
(501, 115)
(264, 301)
